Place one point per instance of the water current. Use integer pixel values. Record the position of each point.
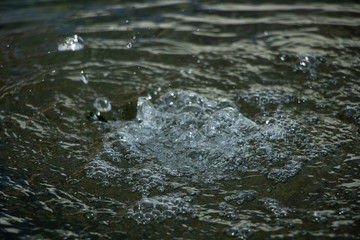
(179, 119)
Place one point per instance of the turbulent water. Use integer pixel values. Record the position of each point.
(179, 120)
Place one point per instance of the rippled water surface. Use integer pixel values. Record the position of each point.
(179, 119)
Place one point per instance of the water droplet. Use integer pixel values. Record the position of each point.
(129, 45)
(102, 104)
(74, 43)
(84, 77)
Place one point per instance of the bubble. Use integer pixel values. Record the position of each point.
(90, 215)
(291, 168)
(306, 64)
(241, 197)
(240, 232)
(158, 209)
(320, 217)
(275, 208)
(74, 43)
(268, 99)
(146, 180)
(102, 105)
(228, 211)
(103, 170)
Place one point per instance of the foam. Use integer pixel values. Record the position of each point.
(189, 134)
(158, 209)
(183, 138)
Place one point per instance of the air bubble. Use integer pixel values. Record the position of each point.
(102, 105)
(241, 197)
(158, 209)
(306, 64)
(274, 207)
(239, 232)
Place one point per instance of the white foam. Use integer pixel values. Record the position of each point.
(74, 43)
(185, 134)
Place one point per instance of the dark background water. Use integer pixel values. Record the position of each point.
(292, 68)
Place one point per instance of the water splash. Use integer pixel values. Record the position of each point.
(183, 134)
(74, 43)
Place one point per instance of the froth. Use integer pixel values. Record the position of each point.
(158, 209)
(185, 135)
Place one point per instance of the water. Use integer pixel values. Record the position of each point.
(102, 105)
(179, 120)
(74, 43)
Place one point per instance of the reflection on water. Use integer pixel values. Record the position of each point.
(181, 119)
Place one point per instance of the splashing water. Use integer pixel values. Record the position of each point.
(74, 43)
(265, 147)
(186, 134)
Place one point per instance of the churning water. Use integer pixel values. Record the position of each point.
(179, 120)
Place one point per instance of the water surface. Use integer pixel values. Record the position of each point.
(179, 120)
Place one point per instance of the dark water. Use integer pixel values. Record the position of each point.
(228, 120)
